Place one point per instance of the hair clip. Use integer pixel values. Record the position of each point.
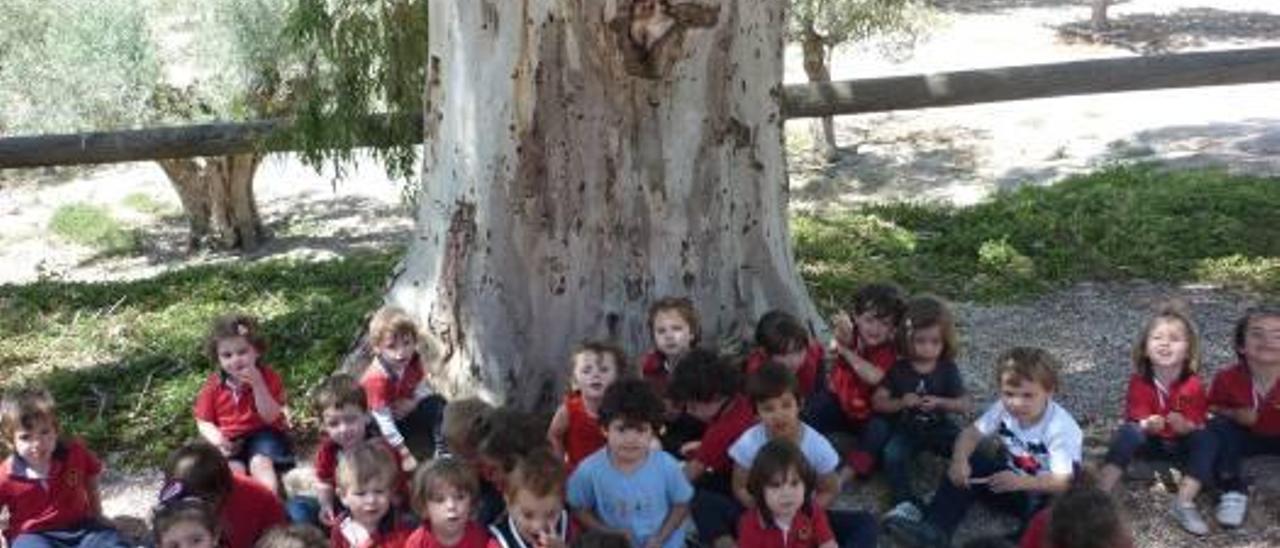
(242, 329)
(173, 491)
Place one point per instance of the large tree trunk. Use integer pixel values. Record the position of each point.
(581, 163)
(217, 199)
(815, 68)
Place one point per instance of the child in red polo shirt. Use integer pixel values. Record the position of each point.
(1245, 400)
(673, 324)
(245, 508)
(781, 338)
(710, 389)
(240, 408)
(784, 515)
(574, 432)
(1165, 411)
(445, 494)
(864, 348)
(366, 484)
(49, 485)
(401, 403)
(344, 420)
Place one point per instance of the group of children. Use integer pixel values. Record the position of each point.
(747, 451)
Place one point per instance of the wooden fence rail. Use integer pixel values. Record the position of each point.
(1244, 66)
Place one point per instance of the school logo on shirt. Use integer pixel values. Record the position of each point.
(72, 479)
(1028, 457)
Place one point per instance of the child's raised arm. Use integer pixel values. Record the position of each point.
(828, 489)
(740, 491)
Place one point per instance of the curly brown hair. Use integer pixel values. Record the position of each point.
(230, 326)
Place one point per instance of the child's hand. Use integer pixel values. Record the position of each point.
(251, 376)
(844, 333)
(402, 408)
(1179, 423)
(928, 403)
(1246, 416)
(1154, 423)
(328, 516)
(547, 538)
(407, 462)
(959, 473)
(1004, 482)
(911, 400)
(228, 447)
(687, 450)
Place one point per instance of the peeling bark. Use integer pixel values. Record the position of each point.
(217, 198)
(573, 174)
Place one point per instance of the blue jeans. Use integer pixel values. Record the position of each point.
(715, 514)
(907, 441)
(951, 503)
(91, 534)
(268, 442)
(822, 412)
(1196, 450)
(1235, 442)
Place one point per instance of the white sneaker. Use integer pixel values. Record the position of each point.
(905, 510)
(1189, 518)
(1232, 507)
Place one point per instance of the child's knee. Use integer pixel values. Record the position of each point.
(259, 464)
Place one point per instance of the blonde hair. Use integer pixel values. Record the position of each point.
(391, 321)
(368, 463)
(1174, 311)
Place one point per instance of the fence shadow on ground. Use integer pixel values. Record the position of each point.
(1187, 28)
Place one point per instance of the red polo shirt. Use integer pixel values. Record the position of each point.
(1186, 396)
(722, 431)
(60, 501)
(381, 389)
(1233, 389)
(249, 510)
(584, 436)
(474, 536)
(230, 407)
(393, 532)
(653, 367)
(809, 529)
(806, 376)
(854, 395)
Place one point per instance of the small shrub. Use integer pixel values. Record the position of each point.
(92, 226)
(144, 203)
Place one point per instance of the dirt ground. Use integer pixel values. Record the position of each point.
(958, 155)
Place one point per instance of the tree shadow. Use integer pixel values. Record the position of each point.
(917, 165)
(1187, 28)
(997, 6)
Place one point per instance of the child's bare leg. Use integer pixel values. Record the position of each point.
(261, 468)
(1109, 476)
(237, 467)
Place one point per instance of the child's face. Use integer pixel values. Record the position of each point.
(1024, 399)
(535, 517)
(671, 334)
(397, 349)
(593, 372)
(784, 494)
(780, 416)
(448, 509)
(628, 442)
(345, 425)
(35, 444)
(1262, 341)
(367, 503)
(237, 357)
(926, 344)
(187, 534)
(1167, 345)
(873, 329)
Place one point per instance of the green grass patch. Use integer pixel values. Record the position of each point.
(1120, 223)
(144, 203)
(93, 226)
(123, 359)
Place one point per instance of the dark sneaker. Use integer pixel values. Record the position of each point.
(915, 534)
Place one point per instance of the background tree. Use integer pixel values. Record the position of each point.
(1099, 18)
(820, 26)
(68, 66)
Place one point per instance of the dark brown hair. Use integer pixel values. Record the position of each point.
(450, 471)
(1266, 310)
(633, 402)
(539, 473)
(195, 510)
(465, 425)
(1087, 517)
(882, 300)
(774, 460)
(772, 381)
(339, 391)
(24, 409)
(702, 375)
(925, 312)
(778, 332)
(202, 472)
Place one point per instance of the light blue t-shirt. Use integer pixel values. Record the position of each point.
(817, 450)
(638, 501)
